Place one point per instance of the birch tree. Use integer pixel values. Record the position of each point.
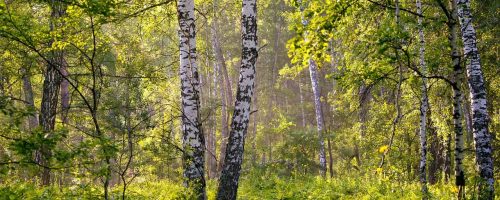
(458, 115)
(228, 185)
(424, 104)
(480, 118)
(192, 137)
(313, 73)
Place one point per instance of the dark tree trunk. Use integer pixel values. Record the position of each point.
(51, 85)
(435, 151)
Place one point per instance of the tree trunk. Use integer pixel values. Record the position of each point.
(29, 99)
(224, 128)
(30, 103)
(364, 101)
(226, 89)
(459, 136)
(313, 73)
(319, 116)
(51, 84)
(480, 116)
(457, 100)
(302, 101)
(211, 139)
(64, 93)
(330, 155)
(192, 139)
(435, 150)
(424, 104)
(228, 185)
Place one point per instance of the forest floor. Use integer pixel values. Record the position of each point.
(252, 186)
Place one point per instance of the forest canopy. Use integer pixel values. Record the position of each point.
(268, 99)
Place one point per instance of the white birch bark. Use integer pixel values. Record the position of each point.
(424, 104)
(457, 101)
(228, 185)
(313, 72)
(317, 106)
(192, 139)
(480, 118)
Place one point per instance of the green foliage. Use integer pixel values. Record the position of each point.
(122, 56)
(257, 184)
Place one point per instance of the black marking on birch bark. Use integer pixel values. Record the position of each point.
(228, 185)
(192, 139)
(480, 117)
(423, 107)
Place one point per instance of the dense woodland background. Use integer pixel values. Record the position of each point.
(353, 99)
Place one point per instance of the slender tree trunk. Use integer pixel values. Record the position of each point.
(319, 115)
(228, 185)
(220, 57)
(447, 158)
(424, 104)
(226, 89)
(480, 118)
(364, 101)
(313, 73)
(51, 84)
(224, 128)
(435, 150)
(212, 149)
(330, 155)
(29, 99)
(397, 101)
(452, 24)
(459, 136)
(64, 93)
(192, 139)
(302, 102)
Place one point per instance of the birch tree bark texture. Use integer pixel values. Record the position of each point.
(424, 104)
(313, 73)
(457, 100)
(193, 143)
(480, 118)
(228, 184)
